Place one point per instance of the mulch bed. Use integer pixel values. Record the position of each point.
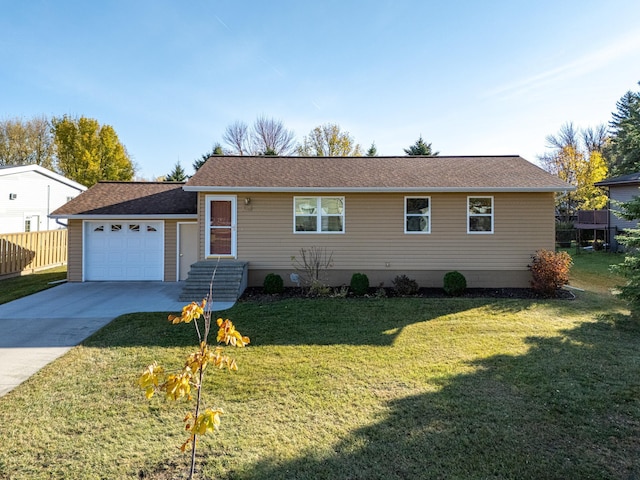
(257, 294)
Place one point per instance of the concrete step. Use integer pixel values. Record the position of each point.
(229, 280)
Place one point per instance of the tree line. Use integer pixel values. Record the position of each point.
(268, 136)
(77, 147)
(582, 157)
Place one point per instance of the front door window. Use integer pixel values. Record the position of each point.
(221, 222)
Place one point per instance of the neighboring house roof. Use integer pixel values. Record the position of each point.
(373, 174)
(629, 179)
(14, 169)
(126, 199)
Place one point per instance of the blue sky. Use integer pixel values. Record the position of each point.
(471, 77)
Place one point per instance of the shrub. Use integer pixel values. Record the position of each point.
(550, 271)
(359, 284)
(454, 283)
(404, 285)
(313, 266)
(273, 284)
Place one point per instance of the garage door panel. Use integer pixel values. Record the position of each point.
(124, 250)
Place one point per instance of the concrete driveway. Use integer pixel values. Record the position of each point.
(37, 329)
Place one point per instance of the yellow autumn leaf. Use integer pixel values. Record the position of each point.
(149, 379)
(228, 334)
(190, 312)
(177, 386)
(207, 422)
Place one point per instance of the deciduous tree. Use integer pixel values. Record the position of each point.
(26, 142)
(236, 136)
(329, 140)
(579, 163)
(87, 152)
(270, 137)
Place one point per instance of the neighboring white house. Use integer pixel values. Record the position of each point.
(28, 194)
(620, 189)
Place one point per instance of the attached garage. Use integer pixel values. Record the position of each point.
(129, 231)
(124, 250)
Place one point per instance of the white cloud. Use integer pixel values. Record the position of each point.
(622, 47)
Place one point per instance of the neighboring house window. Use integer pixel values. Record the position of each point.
(27, 225)
(318, 214)
(417, 215)
(479, 214)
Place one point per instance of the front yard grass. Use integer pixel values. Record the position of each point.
(399, 388)
(17, 287)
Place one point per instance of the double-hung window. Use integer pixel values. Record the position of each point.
(318, 214)
(417, 215)
(479, 214)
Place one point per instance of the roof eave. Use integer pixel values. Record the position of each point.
(254, 189)
(158, 216)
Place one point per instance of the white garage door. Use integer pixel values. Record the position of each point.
(124, 250)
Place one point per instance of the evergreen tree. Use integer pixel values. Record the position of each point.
(630, 267)
(217, 150)
(420, 148)
(373, 151)
(177, 174)
(624, 151)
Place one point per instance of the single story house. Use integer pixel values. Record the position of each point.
(29, 194)
(383, 216)
(620, 189)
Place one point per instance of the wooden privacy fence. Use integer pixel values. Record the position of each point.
(27, 252)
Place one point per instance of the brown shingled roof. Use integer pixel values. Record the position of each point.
(439, 173)
(131, 198)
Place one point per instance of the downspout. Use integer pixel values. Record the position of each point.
(48, 204)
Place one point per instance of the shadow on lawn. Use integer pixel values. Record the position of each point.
(568, 408)
(375, 322)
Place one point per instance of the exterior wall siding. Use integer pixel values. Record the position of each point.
(374, 241)
(74, 253)
(36, 197)
(622, 193)
(170, 250)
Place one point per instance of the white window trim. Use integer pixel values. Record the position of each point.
(319, 215)
(234, 225)
(491, 215)
(416, 215)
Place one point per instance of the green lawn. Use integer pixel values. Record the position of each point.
(353, 389)
(17, 287)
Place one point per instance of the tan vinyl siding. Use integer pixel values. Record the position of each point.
(170, 250)
(74, 256)
(374, 238)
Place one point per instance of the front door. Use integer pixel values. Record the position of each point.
(187, 248)
(220, 236)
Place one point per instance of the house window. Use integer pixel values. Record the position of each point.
(479, 214)
(318, 214)
(27, 225)
(417, 215)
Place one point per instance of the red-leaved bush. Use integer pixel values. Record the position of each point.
(550, 271)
